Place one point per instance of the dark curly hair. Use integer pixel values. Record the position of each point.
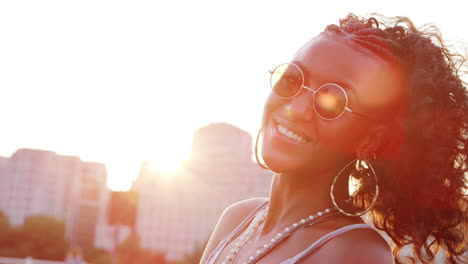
(422, 168)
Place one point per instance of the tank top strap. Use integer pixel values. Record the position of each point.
(215, 254)
(317, 244)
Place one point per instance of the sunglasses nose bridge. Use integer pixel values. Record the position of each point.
(310, 89)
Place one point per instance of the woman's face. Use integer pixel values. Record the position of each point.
(372, 85)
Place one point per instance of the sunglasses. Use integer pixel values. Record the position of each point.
(330, 100)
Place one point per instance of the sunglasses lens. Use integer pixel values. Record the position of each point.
(286, 80)
(330, 101)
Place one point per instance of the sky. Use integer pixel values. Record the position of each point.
(121, 82)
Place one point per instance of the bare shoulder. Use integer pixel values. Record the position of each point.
(232, 216)
(358, 246)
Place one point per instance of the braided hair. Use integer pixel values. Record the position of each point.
(422, 170)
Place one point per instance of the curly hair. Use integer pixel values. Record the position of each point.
(422, 169)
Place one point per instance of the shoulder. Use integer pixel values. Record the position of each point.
(229, 220)
(357, 246)
(234, 214)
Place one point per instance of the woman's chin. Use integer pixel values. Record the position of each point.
(276, 169)
(278, 164)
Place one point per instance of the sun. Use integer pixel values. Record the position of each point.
(120, 170)
(167, 165)
(123, 170)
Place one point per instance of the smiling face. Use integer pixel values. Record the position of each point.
(296, 139)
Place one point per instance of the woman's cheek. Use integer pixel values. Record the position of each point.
(272, 104)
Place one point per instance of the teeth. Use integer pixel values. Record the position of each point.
(284, 131)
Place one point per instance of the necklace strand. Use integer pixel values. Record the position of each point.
(260, 255)
(280, 237)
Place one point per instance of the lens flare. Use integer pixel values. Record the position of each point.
(327, 102)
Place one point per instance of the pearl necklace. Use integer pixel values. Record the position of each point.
(280, 237)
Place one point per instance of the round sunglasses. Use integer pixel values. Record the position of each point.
(330, 100)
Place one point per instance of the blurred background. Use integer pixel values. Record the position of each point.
(127, 126)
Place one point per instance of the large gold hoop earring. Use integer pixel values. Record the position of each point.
(374, 200)
(256, 152)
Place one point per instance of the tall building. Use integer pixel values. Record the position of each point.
(38, 182)
(177, 212)
(29, 186)
(90, 204)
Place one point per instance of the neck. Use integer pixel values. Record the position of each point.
(293, 197)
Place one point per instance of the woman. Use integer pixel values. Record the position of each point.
(382, 104)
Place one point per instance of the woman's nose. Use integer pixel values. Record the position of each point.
(301, 106)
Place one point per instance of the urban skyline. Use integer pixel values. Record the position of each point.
(168, 219)
(167, 170)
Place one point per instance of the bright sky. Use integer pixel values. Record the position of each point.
(119, 82)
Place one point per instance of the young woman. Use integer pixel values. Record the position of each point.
(377, 104)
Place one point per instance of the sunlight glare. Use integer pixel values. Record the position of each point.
(166, 166)
(353, 186)
(327, 101)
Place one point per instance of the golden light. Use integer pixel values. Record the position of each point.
(166, 166)
(167, 155)
(162, 157)
(327, 101)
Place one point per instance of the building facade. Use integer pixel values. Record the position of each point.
(177, 212)
(38, 182)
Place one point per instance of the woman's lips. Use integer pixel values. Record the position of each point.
(286, 132)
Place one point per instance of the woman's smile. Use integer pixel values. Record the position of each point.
(289, 133)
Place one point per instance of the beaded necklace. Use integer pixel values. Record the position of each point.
(280, 237)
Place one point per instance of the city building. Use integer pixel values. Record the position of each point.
(39, 182)
(90, 204)
(177, 212)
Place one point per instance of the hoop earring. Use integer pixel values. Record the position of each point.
(256, 151)
(374, 200)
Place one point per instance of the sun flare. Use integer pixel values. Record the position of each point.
(165, 166)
